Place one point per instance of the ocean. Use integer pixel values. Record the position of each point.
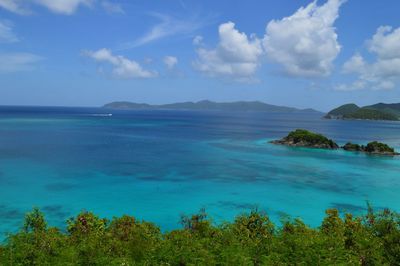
(158, 165)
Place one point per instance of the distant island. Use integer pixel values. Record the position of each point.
(380, 111)
(308, 139)
(209, 105)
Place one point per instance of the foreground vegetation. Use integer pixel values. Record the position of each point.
(252, 239)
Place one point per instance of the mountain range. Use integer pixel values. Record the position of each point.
(208, 105)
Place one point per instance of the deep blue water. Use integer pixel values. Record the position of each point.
(157, 165)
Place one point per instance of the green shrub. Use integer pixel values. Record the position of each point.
(251, 239)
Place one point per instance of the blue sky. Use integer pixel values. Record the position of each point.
(297, 53)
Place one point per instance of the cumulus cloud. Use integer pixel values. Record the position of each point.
(121, 66)
(16, 62)
(66, 7)
(6, 33)
(385, 43)
(384, 72)
(170, 61)
(356, 64)
(236, 56)
(305, 43)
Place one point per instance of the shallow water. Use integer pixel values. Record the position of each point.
(157, 165)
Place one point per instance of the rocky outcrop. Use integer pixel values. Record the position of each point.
(374, 147)
(305, 138)
(352, 147)
(379, 148)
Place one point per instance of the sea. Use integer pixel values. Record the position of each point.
(158, 165)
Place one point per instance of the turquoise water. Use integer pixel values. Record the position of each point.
(157, 165)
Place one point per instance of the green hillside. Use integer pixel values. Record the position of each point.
(393, 108)
(342, 110)
(371, 114)
(209, 105)
(380, 111)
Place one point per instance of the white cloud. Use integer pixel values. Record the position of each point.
(305, 44)
(122, 67)
(355, 64)
(6, 33)
(111, 7)
(385, 43)
(168, 26)
(384, 72)
(170, 61)
(356, 85)
(66, 7)
(15, 6)
(236, 56)
(16, 62)
(198, 40)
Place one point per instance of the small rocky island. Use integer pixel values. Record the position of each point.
(371, 148)
(308, 139)
(305, 138)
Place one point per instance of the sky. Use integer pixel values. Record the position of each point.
(305, 54)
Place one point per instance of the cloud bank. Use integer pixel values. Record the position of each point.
(305, 44)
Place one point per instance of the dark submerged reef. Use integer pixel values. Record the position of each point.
(251, 239)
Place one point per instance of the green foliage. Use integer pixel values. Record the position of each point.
(352, 147)
(371, 114)
(311, 138)
(378, 147)
(343, 110)
(393, 108)
(251, 239)
(34, 221)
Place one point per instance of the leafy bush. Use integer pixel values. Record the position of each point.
(251, 239)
